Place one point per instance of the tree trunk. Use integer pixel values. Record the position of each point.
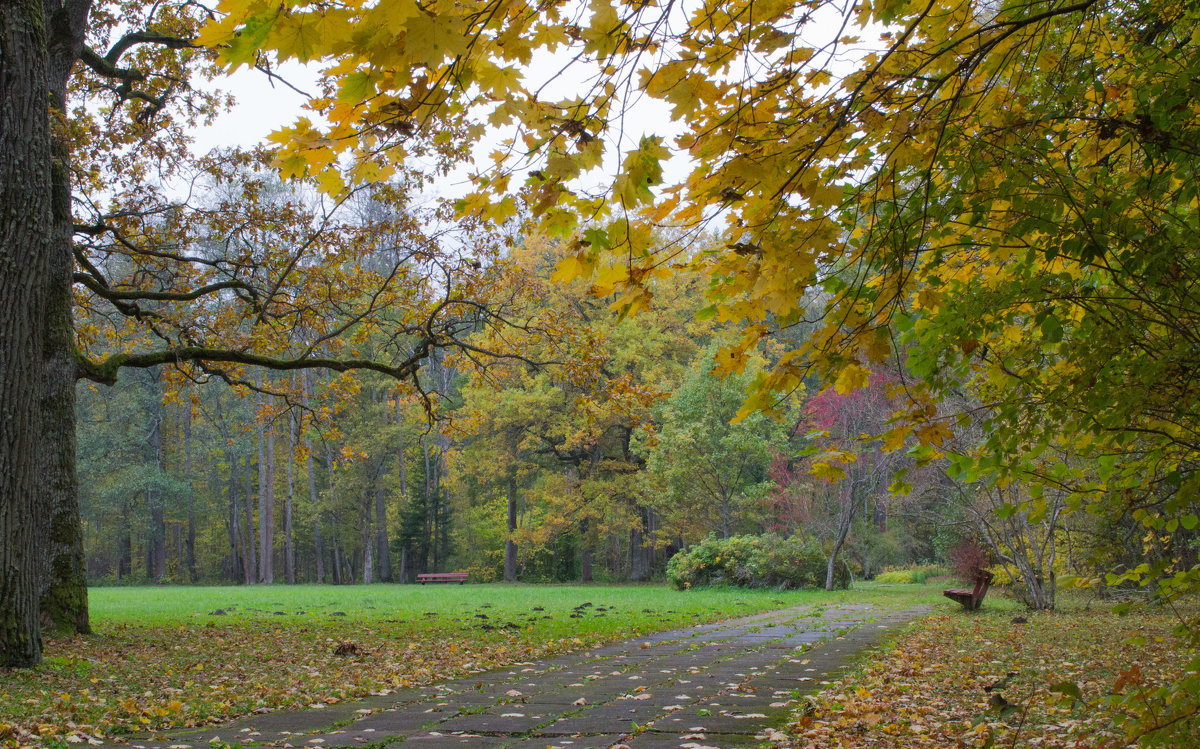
(40, 533)
(843, 531)
(652, 547)
(65, 600)
(318, 548)
(268, 555)
(337, 558)
(125, 543)
(312, 489)
(368, 566)
(266, 496)
(381, 534)
(585, 553)
(235, 541)
(429, 509)
(26, 246)
(189, 553)
(510, 546)
(156, 557)
(289, 550)
(250, 567)
(639, 559)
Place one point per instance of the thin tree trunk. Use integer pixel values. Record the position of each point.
(401, 455)
(189, 554)
(368, 566)
(125, 543)
(337, 558)
(842, 532)
(268, 556)
(266, 494)
(289, 550)
(312, 489)
(585, 553)
(510, 546)
(235, 540)
(156, 568)
(381, 534)
(337, 554)
(429, 508)
(251, 565)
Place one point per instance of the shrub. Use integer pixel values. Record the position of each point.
(909, 575)
(753, 562)
(966, 558)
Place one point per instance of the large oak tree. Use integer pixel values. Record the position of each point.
(226, 274)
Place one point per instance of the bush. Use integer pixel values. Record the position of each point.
(909, 575)
(966, 558)
(753, 562)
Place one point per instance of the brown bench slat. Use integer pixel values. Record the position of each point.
(442, 577)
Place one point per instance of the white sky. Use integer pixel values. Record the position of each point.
(264, 106)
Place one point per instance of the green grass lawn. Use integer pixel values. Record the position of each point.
(185, 656)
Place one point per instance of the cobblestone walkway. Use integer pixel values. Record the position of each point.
(720, 685)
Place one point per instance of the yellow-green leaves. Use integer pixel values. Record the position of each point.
(852, 377)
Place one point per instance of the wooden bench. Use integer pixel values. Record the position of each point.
(442, 577)
(971, 599)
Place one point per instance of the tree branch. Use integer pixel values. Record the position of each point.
(112, 294)
(105, 372)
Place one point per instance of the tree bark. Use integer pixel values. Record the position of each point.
(337, 554)
(235, 541)
(429, 509)
(26, 240)
(156, 569)
(842, 532)
(381, 534)
(510, 546)
(250, 565)
(39, 47)
(312, 488)
(189, 553)
(368, 566)
(585, 553)
(289, 550)
(639, 559)
(266, 495)
(125, 543)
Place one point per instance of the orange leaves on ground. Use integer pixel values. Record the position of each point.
(983, 680)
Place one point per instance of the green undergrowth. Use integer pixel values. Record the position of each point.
(166, 657)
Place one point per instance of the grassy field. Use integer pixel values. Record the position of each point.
(185, 656)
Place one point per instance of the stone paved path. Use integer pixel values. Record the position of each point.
(718, 685)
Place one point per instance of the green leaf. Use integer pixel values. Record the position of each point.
(1069, 688)
(1052, 331)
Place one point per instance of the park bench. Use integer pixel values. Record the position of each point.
(442, 577)
(971, 599)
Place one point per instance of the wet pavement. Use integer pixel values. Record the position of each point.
(723, 685)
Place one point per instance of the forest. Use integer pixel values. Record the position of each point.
(597, 471)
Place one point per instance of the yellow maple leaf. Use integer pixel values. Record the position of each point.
(851, 378)
(934, 434)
